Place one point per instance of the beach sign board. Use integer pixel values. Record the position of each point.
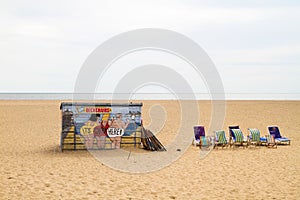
(103, 121)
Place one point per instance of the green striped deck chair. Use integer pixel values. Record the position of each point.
(220, 138)
(239, 138)
(254, 136)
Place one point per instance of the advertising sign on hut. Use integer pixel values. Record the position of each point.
(100, 126)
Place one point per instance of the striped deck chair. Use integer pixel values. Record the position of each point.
(220, 139)
(204, 142)
(231, 135)
(255, 138)
(239, 138)
(271, 143)
(274, 130)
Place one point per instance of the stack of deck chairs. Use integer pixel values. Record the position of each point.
(150, 142)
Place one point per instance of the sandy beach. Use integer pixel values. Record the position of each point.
(32, 166)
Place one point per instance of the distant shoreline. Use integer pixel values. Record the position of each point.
(149, 96)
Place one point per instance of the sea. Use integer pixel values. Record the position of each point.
(149, 96)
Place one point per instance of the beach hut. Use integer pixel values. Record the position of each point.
(100, 125)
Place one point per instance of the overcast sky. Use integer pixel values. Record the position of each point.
(254, 44)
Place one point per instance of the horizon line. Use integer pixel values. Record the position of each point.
(147, 96)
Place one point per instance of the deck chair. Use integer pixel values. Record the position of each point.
(221, 139)
(271, 143)
(274, 130)
(198, 132)
(231, 135)
(239, 139)
(204, 142)
(254, 137)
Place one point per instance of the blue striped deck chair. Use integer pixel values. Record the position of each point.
(204, 142)
(239, 139)
(221, 139)
(271, 143)
(254, 137)
(274, 130)
(231, 135)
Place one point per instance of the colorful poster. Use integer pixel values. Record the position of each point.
(103, 121)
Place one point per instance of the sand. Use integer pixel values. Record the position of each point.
(32, 167)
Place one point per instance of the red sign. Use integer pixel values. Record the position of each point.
(97, 109)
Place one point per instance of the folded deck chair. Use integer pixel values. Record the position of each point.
(231, 135)
(220, 139)
(198, 132)
(254, 137)
(239, 139)
(274, 130)
(271, 141)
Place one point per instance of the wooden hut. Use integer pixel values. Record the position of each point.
(80, 119)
